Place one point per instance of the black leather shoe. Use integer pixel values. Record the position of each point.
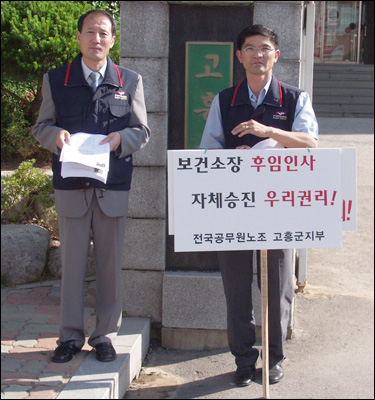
(65, 351)
(244, 376)
(276, 373)
(105, 352)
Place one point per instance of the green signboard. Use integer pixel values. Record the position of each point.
(209, 69)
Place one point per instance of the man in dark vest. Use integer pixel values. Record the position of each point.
(259, 112)
(95, 96)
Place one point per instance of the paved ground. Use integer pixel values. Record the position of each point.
(329, 356)
(29, 330)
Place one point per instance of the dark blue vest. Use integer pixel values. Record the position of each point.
(79, 109)
(277, 110)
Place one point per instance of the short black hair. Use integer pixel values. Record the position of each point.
(105, 13)
(254, 30)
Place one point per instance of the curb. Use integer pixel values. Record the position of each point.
(96, 380)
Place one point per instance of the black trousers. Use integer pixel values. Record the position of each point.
(237, 272)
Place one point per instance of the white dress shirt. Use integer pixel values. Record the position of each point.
(304, 119)
(87, 71)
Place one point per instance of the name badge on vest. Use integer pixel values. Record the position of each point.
(281, 115)
(120, 95)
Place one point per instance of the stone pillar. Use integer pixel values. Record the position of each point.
(144, 49)
(285, 18)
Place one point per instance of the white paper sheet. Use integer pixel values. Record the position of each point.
(70, 169)
(268, 144)
(85, 157)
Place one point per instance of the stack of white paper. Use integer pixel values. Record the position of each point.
(85, 157)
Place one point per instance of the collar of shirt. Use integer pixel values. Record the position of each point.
(256, 101)
(87, 71)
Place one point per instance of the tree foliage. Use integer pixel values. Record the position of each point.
(36, 37)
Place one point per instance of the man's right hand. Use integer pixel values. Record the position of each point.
(62, 137)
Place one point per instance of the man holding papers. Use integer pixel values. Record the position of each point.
(92, 98)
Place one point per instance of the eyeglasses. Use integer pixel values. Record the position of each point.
(253, 50)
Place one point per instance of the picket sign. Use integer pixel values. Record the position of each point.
(260, 199)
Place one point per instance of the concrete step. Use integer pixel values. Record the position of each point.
(343, 67)
(348, 83)
(342, 75)
(331, 104)
(345, 92)
(367, 103)
(338, 111)
(100, 380)
(343, 114)
(321, 98)
(189, 324)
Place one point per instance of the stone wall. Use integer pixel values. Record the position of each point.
(144, 49)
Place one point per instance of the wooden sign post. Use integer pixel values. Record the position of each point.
(264, 303)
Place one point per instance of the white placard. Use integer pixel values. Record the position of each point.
(258, 199)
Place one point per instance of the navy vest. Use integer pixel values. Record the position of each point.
(277, 110)
(79, 109)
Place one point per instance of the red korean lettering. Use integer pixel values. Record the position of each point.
(258, 161)
(271, 197)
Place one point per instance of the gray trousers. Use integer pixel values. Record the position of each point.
(237, 272)
(108, 237)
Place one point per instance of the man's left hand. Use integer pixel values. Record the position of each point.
(251, 127)
(114, 139)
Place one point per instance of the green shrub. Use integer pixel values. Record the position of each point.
(27, 197)
(17, 141)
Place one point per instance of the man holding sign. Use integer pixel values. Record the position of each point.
(259, 112)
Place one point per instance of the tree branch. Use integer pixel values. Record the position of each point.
(22, 100)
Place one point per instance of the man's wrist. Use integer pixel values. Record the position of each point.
(273, 133)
